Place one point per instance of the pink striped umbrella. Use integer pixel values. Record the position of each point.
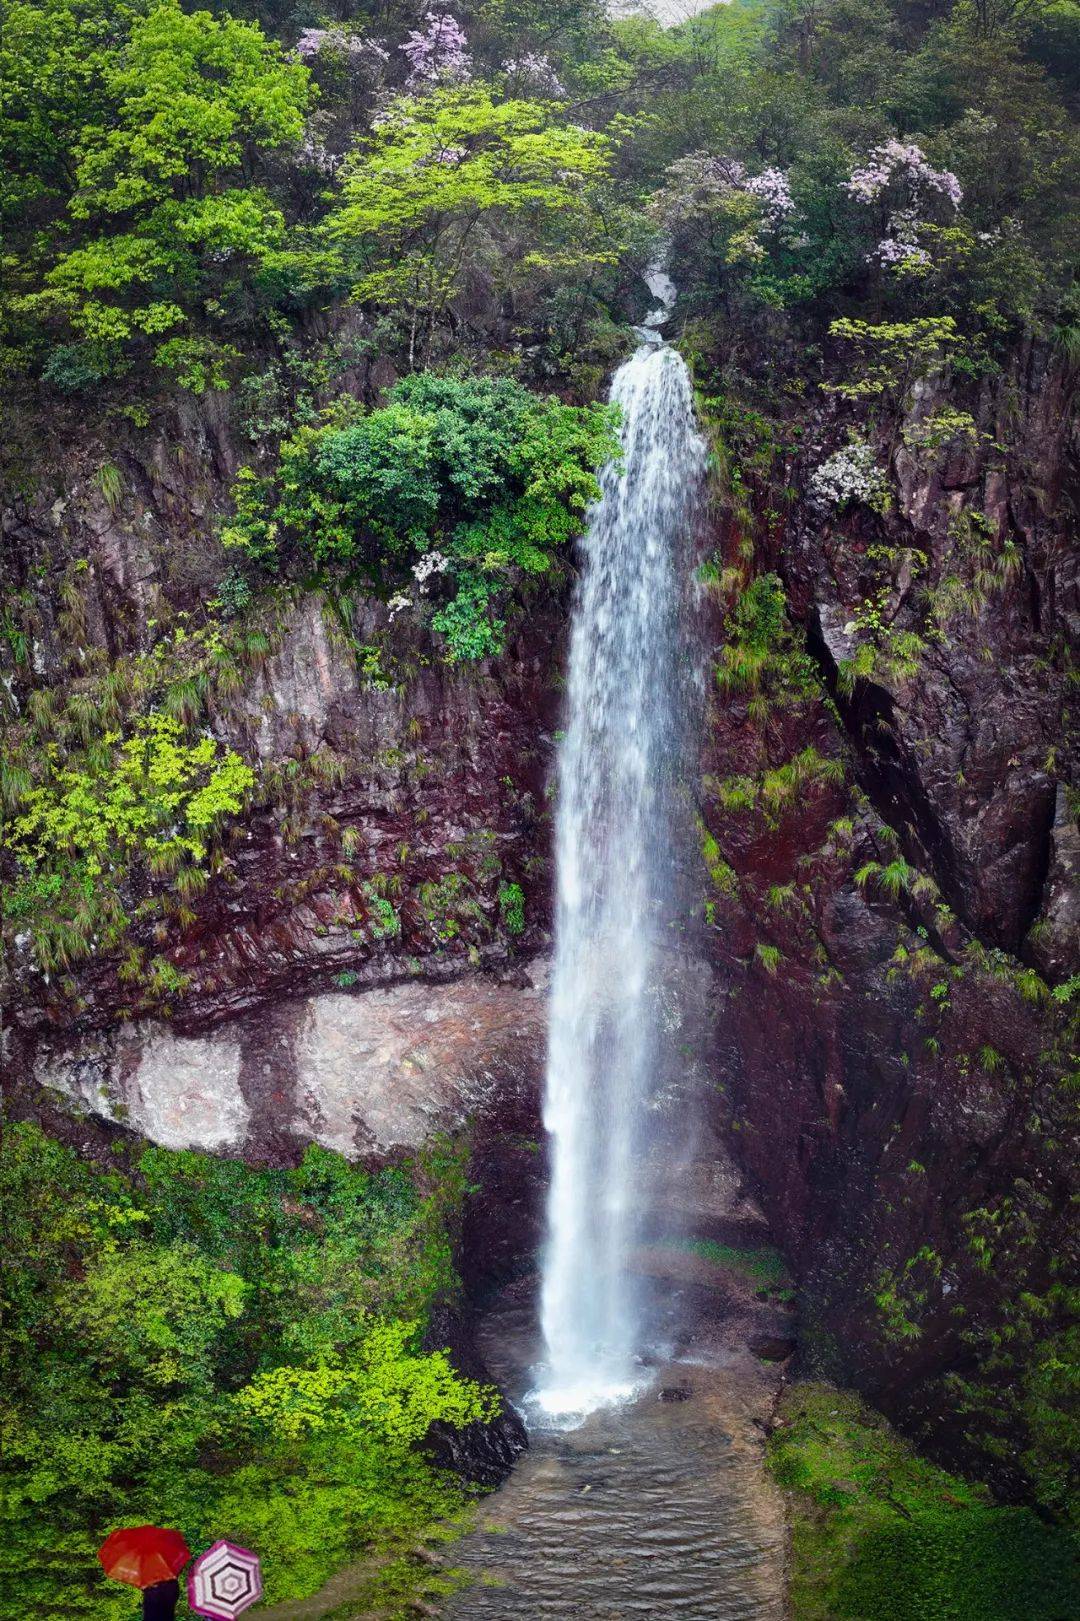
(224, 1581)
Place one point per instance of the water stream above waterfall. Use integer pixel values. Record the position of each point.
(616, 858)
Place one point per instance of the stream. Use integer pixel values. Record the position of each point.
(655, 1507)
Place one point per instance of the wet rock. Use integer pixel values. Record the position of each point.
(1055, 945)
(894, 1082)
(772, 1347)
(365, 1074)
(484, 1453)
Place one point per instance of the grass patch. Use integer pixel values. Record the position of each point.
(881, 1534)
(764, 1267)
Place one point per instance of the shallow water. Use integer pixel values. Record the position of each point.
(657, 1508)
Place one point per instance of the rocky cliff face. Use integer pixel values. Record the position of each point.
(383, 774)
(898, 1076)
(887, 858)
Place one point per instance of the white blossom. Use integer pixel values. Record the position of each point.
(537, 72)
(431, 563)
(849, 474)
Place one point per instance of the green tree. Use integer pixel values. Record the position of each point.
(168, 221)
(232, 1351)
(476, 480)
(456, 178)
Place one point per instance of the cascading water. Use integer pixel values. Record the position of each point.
(616, 881)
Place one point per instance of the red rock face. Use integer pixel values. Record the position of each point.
(443, 802)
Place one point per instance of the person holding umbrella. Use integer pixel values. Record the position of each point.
(150, 1557)
(160, 1599)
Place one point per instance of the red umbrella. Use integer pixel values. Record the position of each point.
(143, 1554)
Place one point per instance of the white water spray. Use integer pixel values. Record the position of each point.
(615, 881)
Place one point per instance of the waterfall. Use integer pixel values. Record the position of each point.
(616, 883)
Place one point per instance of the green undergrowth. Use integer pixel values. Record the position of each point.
(233, 1351)
(761, 659)
(880, 1534)
(116, 796)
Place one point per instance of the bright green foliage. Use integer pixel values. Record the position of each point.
(154, 798)
(511, 898)
(113, 776)
(435, 186)
(162, 795)
(755, 629)
(383, 921)
(52, 58)
(232, 1351)
(480, 476)
(162, 154)
(880, 1534)
(390, 1394)
(892, 354)
(893, 879)
(191, 92)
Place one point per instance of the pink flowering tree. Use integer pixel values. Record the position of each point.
(898, 180)
(722, 217)
(353, 67)
(437, 53)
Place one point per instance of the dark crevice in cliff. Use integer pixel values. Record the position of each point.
(886, 774)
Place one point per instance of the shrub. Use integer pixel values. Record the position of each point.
(458, 486)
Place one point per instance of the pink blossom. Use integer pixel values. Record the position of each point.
(906, 165)
(892, 251)
(901, 247)
(773, 190)
(702, 175)
(537, 72)
(314, 40)
(438, 53)
(895, 160)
